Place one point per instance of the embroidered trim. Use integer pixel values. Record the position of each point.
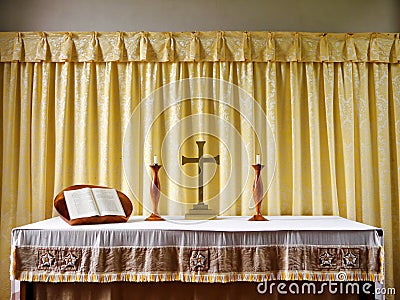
(58, 260)
(351, 258)
(327, 257)
(70, 261)
(46, 260)
(345, 258)
(199, 260)
(56, 264)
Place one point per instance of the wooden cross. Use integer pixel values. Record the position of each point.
(200, 160)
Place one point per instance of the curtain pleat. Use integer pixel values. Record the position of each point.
(209, 46)
(332, 102)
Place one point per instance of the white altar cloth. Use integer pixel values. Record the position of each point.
(228, 249)
(324, 230)
(229, 223)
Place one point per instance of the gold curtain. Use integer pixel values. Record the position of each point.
(332, 100)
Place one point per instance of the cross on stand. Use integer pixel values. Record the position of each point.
(200, 210)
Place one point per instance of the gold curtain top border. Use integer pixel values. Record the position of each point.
(209, 46)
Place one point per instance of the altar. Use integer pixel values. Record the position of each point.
(228, 251)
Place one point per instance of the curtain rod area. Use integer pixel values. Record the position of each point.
(201, 46)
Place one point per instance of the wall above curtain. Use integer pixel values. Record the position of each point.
(210, 46)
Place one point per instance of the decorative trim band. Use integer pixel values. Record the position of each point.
(205, 264)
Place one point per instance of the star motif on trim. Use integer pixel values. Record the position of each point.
(47, 260)
(70, 260)
(198, 261)
(326, 259)
(350, 260)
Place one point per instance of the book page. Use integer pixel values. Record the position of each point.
(80, 203)
(108, 202)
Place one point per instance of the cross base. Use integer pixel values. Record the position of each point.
(200, 211)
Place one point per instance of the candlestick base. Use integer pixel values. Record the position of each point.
(154, 217)
(258, 218)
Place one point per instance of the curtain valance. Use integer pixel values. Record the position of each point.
(198, 46)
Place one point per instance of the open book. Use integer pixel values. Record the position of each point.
(88, 202)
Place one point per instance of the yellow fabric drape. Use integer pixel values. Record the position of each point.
(199, 46)
(333, 102)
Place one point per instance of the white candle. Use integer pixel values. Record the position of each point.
(155, 160)
(258, 159)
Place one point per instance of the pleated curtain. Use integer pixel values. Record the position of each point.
(332, 102)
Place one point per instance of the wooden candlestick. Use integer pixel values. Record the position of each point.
(155, 194)
(258, 193)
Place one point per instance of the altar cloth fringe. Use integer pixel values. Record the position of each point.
(194, 277)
